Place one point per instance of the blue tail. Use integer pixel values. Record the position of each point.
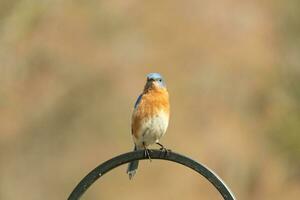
(132, 167)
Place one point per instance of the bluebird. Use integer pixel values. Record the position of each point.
(150, 117)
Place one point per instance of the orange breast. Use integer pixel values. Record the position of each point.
(152, 102)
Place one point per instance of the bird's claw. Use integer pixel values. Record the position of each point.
(147, 154)
(165, 150)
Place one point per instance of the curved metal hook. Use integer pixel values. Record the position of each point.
(105, 167)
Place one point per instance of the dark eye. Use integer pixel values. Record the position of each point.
(159, 80)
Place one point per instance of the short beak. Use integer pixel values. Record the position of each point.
(149, 83)
(150, 80)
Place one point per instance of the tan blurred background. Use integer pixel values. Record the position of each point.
(70, 72)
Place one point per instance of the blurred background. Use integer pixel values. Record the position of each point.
(70, 72)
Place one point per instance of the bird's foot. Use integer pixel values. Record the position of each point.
(164, 149)
(147, 152)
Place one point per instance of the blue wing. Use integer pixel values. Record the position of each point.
(138, 101)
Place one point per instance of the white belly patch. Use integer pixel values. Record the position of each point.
(152, 129)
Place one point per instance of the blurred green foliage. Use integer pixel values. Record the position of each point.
(286, 128)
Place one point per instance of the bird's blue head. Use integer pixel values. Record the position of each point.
(155, 79)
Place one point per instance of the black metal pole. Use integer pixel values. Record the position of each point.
(105, 167)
